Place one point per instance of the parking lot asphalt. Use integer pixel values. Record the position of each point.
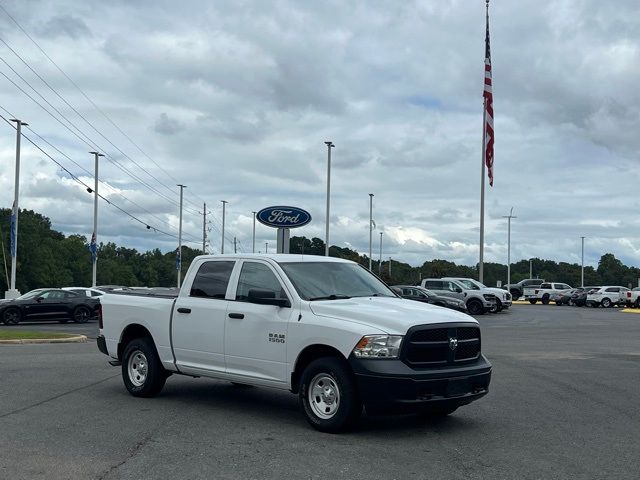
(563, 404)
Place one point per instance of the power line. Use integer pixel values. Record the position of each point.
(79, 181)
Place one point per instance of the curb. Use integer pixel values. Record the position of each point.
(630, 310)
(26, 341)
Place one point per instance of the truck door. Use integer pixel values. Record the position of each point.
(256, 335)
(199, 317)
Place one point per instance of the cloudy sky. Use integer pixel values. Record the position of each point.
(235, 98)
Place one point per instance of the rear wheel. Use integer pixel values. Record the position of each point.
(606, 303)
(142, 372)
(328, 395)
(545, 299)
(475, 307)
(81, 314)
(11, 316)
(533, 301)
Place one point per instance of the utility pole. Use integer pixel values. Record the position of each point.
(370, 227)
(266, 247)
(389, 268)
(380, 258)
(235, 245)
(224, 209)
(204, 229)
(510, 216)
(94, 237)
(329, 145)
(12, 293)
(179, 261)
(253, 249)
(582, 269)
(530, 268)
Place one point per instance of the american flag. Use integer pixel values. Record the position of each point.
(488, 106)
(93, 247)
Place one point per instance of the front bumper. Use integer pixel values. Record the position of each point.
(392, 386)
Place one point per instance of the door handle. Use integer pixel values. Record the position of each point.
(184, 310)
(236, 315)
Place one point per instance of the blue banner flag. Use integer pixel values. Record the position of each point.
(178, 259)
(12, 235)
(93, 248)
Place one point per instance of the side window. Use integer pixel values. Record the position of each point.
(407, 291)
(545, 286)
(433, 285)
(612, 289)
(450, 286)
(212, 279)
(257, 276)
(96, 294)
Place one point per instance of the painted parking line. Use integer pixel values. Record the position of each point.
(630, 310)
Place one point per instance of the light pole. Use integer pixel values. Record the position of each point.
(224, 209)
(12, 293)
(329, 145)
(582, 269)
(370, 227)
(94, 238)
(530, 268)
(253, 250)
(204, 229)
(510, 216)
(380, 258)
(179, 259)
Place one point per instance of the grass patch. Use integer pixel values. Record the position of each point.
(27, 335)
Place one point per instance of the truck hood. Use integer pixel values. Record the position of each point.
(389, 314)
(498, 292)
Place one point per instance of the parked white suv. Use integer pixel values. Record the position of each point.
(503, 298)
(607, 296)
(546, 290)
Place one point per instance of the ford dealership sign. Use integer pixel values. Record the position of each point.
(283, 217)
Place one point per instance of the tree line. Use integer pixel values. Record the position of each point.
(48, 258)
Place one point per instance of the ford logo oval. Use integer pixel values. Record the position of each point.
(283, 217)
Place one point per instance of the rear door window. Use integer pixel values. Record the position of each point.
(434, 284)
(212, 280)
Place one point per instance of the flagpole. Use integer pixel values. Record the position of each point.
(481, 262)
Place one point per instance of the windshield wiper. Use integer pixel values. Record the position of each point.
(330, 297)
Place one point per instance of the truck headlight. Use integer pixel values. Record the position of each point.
(378, 346)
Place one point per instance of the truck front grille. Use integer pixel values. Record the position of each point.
(441, 345)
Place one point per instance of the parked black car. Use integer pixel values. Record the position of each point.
(48, 304)
(579, 299)
(423, 295)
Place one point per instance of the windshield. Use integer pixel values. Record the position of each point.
(469, 284)
(333, 281)
(31, 294)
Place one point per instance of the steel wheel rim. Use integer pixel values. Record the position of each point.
(138, 368)
(324, 396)
(81, 314)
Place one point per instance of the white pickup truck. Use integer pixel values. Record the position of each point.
(323, 328)
(632, 298)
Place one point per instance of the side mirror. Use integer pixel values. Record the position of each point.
(38, 299)
(267, 297)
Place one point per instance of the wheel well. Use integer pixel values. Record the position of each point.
(132, 331)
(308, 355)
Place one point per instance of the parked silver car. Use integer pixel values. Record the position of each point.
(478, 302)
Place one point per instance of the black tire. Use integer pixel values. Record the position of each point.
(475, 307)
(499, 306)
(533, 301)
(148, 377)
(81, 314)
(515, 295)
(545, 299)
(11, 316)
(341, 390)
(606, 303)
(637, 303)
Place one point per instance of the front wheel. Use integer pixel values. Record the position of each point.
(142, 372)
(11, 316)
(475, 307)
(545, 299)
(328, 395)
(533, 301)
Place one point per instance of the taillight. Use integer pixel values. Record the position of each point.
(628, 294)
(99, 315)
